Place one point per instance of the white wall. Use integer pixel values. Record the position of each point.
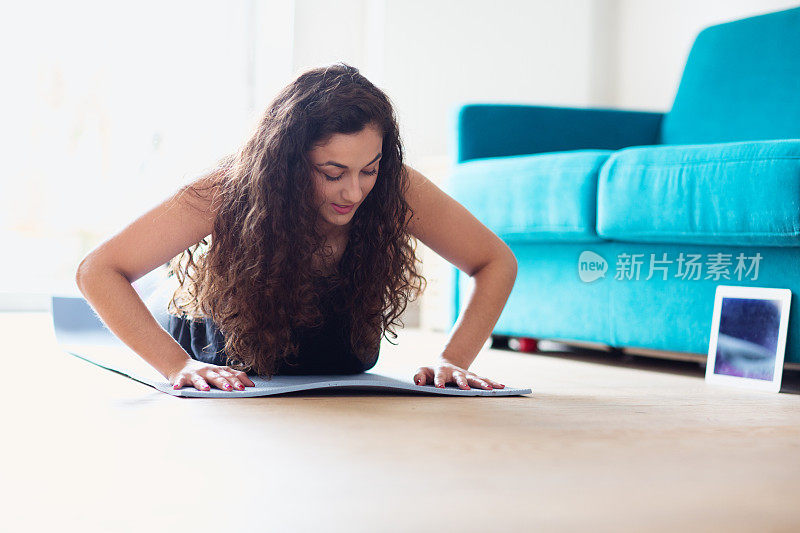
(105, 111)
(438, 54)
(654, 38)
(430, 55)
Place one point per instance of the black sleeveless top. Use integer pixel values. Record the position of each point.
(322, 350)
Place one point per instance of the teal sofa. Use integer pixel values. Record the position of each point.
(669, 204)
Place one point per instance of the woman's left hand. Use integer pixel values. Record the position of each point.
(443, 372)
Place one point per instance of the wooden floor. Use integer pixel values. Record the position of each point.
(636, 446)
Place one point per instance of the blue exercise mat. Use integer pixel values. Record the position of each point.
(80, 333)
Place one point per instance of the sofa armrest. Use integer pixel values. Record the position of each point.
(494, 130)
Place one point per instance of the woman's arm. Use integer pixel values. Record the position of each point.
(122, 310)
(447, 228)
(493, 284)
(106, 273)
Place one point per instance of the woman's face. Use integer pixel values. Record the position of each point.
(346, 168)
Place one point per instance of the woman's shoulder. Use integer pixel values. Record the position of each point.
(203, 193)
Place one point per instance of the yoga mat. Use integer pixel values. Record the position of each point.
(80, 333)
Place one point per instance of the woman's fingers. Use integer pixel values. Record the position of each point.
(231, 378)
(460, 380)
(493, 383)
(200, 374)
(244, 378)
(199, 383)
(465, 380)
(479, 382)
(216, 377)
(423, 375)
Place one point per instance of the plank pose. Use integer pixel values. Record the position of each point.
(296, 253)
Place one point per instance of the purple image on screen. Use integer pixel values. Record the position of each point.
(748, 338)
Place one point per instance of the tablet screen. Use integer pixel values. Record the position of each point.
(747, 343)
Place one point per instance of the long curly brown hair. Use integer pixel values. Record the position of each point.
(255, 279)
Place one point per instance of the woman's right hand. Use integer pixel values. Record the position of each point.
(199, 374)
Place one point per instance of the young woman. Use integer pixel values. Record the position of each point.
(310, 258)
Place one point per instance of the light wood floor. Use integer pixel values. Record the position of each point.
(596, 447)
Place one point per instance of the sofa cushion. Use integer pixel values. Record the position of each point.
(532, 198)
(741, 83)
(740, 193)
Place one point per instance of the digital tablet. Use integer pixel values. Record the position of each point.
(748, 337)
